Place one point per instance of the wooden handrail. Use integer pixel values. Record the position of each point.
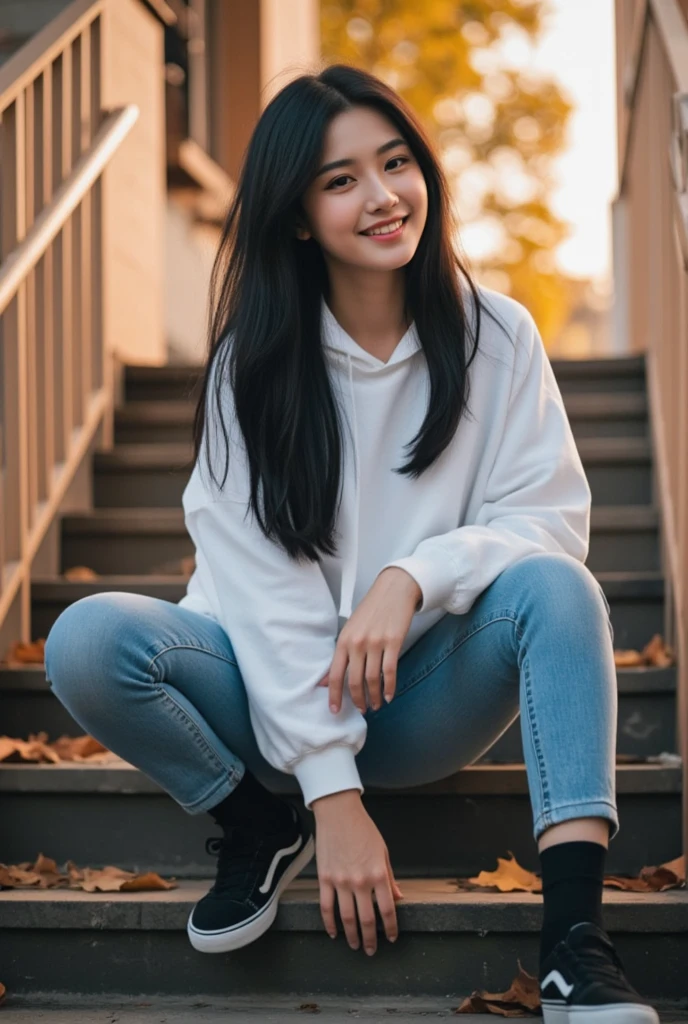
(49, 222)
(44, 47)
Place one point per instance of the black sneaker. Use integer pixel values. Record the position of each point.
(582, 981)
(253, 869)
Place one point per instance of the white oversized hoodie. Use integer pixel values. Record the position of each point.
(509, 484)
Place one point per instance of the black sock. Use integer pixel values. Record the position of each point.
(572, 883)
(250, 803)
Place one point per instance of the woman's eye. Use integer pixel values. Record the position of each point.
(343, 177)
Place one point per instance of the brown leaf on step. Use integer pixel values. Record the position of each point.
(44, 874)
(655, 654)
(26, 654)
(175, 567)
(509, 877)
(80, 573)
(3, 992)
(34, 749)
(521, 999)
(671, 875)
(66, 748)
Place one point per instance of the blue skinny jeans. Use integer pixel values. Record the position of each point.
(159, 685)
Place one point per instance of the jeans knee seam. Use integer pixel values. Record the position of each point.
(454, 646)
(534, 734)
(153, 663)
(195, 732)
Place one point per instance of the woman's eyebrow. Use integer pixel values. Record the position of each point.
(347, 162)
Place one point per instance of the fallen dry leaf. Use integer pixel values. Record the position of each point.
(66, 748)
(508, 877)
(3, 992)
(511, 877)
(521, 999)
(80, 573)
(21, 653)
(655, 654)
(671, 875)
(44, 874)
(175, 567)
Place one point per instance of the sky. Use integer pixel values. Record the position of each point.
(577, 48)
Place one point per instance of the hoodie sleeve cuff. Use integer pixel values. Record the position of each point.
(330, 770)
(435, 575)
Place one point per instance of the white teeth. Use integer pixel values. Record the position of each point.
(386, 230)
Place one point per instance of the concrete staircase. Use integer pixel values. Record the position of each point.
(450, 943)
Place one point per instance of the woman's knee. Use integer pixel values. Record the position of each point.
(563, 585)
(82, 638)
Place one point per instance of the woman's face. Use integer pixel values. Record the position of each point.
(343, 202)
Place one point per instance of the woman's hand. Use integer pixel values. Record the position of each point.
(370, 642)
(352, 859)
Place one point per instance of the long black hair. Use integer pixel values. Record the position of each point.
(266, 289)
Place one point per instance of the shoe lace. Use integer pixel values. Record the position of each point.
(237, 850)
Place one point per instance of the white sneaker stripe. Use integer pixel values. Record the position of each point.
(556, 979)
(265, 887)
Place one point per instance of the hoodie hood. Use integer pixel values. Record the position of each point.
(357, 362)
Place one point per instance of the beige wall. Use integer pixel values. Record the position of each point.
(134, 187)
(255, 47)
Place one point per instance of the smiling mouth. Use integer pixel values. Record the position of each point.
(402, 219)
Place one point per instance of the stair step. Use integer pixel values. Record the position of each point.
(449, 944)
(591, 414)
(619, 471)
(613, 373)
(623, 537)
(114, 814)
(646, 720)
(636, 599)
(607, 414)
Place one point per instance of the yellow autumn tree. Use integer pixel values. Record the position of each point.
(497, 128)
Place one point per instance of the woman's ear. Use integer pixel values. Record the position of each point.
(302, 232)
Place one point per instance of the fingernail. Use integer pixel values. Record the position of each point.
(370, 951)
(333, 707)
(388, 697)
(394, 939)
(332, 935)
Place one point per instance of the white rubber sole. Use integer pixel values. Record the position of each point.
(225, 940)
(614, 1013)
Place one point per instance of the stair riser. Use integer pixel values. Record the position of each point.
(180, 432)
(594, 383)
(610, 484)
(134, 553)
(126, 554)
(155, 433)
(427, 834)
(309, 964)
(177, 387)
(646, 723)
(635, 550)
(634, 622)
(590, 427)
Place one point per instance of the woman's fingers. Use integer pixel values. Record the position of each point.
(347, 912)
(327, 907)
(373, 670)
(366, 915)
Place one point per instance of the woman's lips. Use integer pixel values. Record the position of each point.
(390, 234)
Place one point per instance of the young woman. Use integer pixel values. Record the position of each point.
(363, 532)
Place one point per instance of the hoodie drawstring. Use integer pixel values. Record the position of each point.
(346, 592)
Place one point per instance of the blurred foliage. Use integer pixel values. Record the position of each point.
(496, 128)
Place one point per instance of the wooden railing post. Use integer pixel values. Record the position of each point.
(57, 387)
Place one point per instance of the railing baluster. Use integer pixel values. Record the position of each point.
(56, 383)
